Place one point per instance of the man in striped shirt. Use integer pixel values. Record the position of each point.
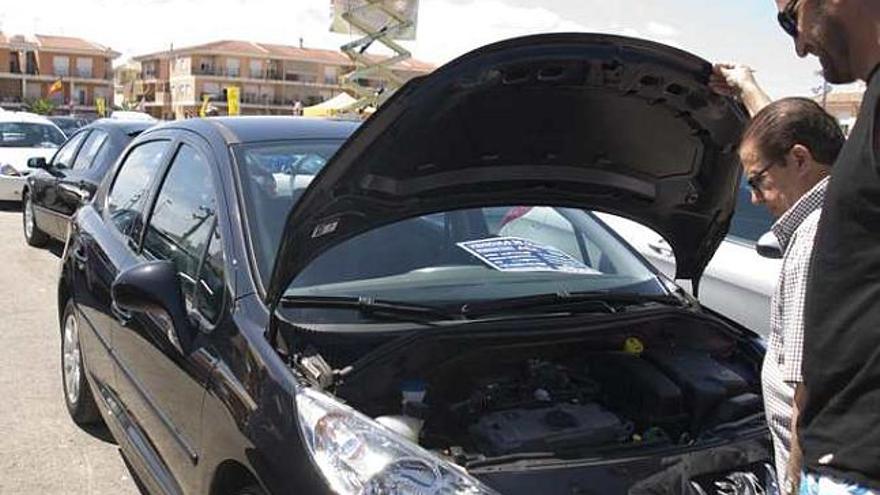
(786, 153)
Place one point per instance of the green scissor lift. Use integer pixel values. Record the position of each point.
(374, 67)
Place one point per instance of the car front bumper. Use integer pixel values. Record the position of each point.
(738, 466)
(10, 187)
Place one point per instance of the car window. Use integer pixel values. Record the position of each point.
(68, 126)
(274, 176)
(750, 221)
(29, 135)
(462, 256)
(209, 293)
(128, 195)
(183, 223)
(90, 149)
(64, 157)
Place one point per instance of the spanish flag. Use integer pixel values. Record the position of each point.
(55, 87)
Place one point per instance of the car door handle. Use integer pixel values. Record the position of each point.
(661, 247)
(79, 192)
(79, 255)
(121, 315)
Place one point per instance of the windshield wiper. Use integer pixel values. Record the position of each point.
(607, 302)
(373, 307)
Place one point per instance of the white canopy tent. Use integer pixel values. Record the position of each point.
(330, 107)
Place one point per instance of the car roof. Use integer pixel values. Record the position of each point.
(266, 128)
(24, 117)
(128, 127)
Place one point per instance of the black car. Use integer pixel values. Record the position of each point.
(71, 178)
(69, 124)
(438, 310)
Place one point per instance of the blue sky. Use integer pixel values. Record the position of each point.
(740, 30)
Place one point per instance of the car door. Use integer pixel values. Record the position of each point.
(45, 192)
(102, 246)
(163, 382)
(75, 186)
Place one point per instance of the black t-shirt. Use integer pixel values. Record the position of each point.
(840, 424)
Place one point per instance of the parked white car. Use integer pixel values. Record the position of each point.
(23, 136)
(132, 115)
(738, 282)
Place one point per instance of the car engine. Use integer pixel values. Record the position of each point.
(598, 401)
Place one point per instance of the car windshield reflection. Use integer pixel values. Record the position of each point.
(462, 256)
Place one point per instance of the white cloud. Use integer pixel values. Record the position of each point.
(448, 29)
(663, 30)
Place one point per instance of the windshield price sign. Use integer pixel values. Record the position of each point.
(513, 254)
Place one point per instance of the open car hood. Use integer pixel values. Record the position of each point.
(589, 121)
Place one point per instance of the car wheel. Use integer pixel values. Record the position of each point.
(251, 490)
(77, 393)
(32, 234)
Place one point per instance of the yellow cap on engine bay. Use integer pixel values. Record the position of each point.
(632, 345)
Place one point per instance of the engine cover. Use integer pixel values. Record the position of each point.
(548, 429)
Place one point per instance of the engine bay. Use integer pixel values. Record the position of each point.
(566, 396)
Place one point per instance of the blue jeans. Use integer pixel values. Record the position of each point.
(817, 484)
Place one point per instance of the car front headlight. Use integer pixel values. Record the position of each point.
(9, 170)
(357, 455)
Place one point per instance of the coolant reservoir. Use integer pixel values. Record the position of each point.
(408, 425)
(405, 426)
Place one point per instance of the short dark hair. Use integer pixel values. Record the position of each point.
(790, 121)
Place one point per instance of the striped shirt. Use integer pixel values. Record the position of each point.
(795, 230)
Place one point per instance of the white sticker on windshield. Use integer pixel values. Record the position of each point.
(325, 228)
(513, 254)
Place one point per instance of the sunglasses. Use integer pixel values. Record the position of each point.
(757, 180)
(788, 18)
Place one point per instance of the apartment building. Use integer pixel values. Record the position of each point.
(270, 78)
(844, 105)
(30, 65)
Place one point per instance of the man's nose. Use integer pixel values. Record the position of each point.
(800, 47)
(757, 197)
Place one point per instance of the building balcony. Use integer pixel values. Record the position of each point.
(215, 71)
(251, 100)
(265, 101)
(268, 75)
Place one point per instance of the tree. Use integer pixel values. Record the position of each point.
(822, 90)
(41, 106)
(128, 106)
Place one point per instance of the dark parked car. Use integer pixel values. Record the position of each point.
(70, 124)
(71, 178)
(394, 327)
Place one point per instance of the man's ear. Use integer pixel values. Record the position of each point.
(801, 157)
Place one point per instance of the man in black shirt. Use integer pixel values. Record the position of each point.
(840, 415)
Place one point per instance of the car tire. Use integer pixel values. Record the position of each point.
(32, 234)
(77, 392)
(251, 490)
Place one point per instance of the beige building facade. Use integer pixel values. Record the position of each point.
(844, 106)
(271, 78)
(29, 66)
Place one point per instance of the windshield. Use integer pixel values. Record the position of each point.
(29, 135)
(463, 256)
(273, 176)
(69, 125)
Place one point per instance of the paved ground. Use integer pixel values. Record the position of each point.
(41, 450)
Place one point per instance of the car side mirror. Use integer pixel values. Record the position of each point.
(37, 162)
(154, 288)
(768, 246)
